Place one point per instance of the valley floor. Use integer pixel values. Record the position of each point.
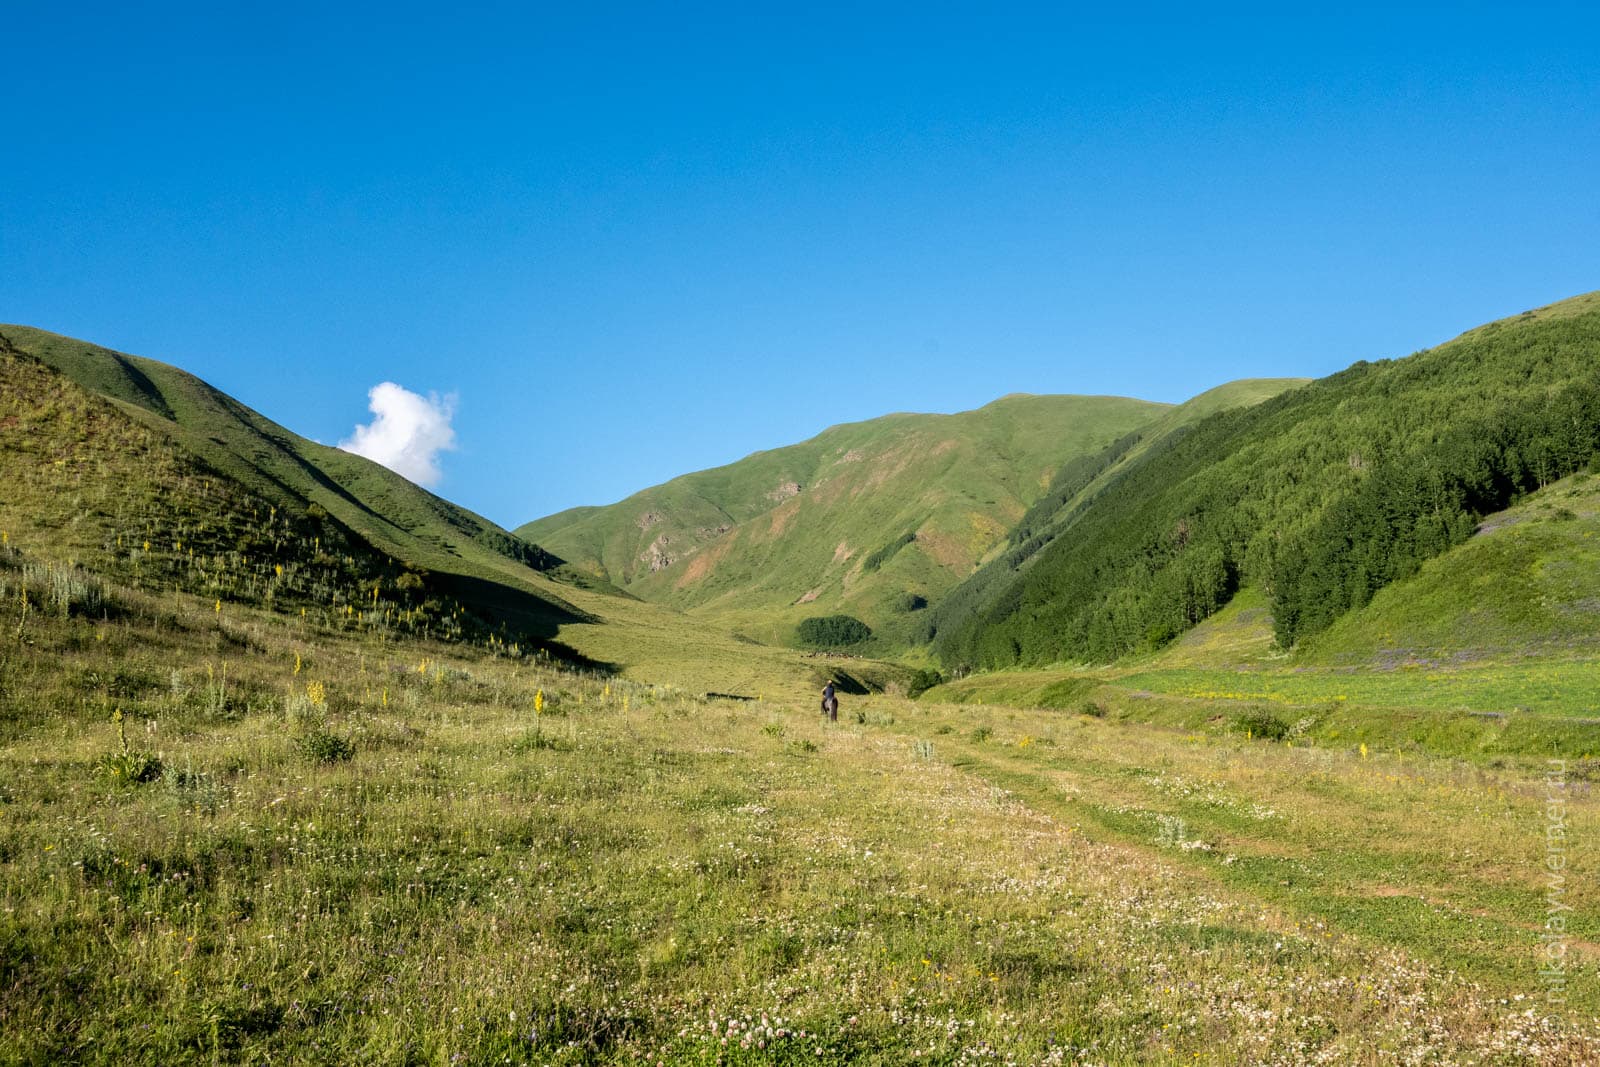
(637, 873)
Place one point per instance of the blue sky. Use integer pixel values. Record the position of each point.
(633, 242)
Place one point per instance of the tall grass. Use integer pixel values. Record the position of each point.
(520, 862)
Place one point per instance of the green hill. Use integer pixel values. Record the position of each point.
(127, 471)
(392, 513)
(1074, 488)
(1490, 651)
(1321, 495)
(870, 519)
(1525, 585)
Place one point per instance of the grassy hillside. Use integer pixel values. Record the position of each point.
(392, 513)
(1526, 585)
(162, 483)
(1489, 652)
(860, 519)
(1322, 495)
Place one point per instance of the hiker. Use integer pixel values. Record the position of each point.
(830, 703)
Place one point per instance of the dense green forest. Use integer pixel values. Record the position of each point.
(832, 631)
(1321, 495)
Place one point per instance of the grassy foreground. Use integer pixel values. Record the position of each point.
(392, 852)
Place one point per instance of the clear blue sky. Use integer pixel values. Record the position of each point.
(639, 241)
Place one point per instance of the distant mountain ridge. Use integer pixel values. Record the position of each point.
(874, 519)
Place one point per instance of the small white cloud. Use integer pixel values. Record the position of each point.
(408, 433)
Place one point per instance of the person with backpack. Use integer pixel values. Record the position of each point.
(830, 702)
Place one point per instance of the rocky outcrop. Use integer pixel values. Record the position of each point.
(656, 556)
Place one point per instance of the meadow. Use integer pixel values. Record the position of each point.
(301, 843)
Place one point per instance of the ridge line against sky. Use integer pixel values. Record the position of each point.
(638, 243)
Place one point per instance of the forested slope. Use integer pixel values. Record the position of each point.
(1321, 495)
(1075, 487)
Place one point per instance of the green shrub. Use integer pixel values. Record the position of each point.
(906, 603)
(130, 768)
(535, 741)
(1092, 708)
(320, 746)
(832, 631)
(1262, 724)
(923, 681)
(981, 734)
(195, 791)
(66, 590)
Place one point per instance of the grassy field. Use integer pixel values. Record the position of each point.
(366, 850)
(1521, 712)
